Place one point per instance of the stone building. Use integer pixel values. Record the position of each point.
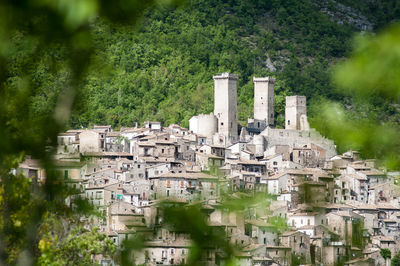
(92, 141)
(295, 112)
(206, 125)
(182, 185)
(225, 105)
(263, 102)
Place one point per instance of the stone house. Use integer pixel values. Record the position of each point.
(233, 151)
(103, 129)
(310, 192)
(115, 142)
(92, 141)
(261, 232)
(298, 219)
(157, 169)
(207, 161)
(137, 192)
(156, 126)
(277, 183)
(349, 225)
(273, 162)
(180, 184)
(279, 254)
(124, 216)
(298, 242)
(68, 142)
(333, 254)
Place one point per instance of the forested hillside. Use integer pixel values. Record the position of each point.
(162, 69)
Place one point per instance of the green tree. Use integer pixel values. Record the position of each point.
(386, 254)
(59, 246)
(46, 50)
(396, 260)
(371, 84)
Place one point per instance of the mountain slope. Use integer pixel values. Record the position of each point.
(163, 69)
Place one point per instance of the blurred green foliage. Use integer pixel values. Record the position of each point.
(64, 244)
(46, 48)
(396, 260)
(385, 253)
(368, 121)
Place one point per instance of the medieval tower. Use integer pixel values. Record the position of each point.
(295, 112)
(263, 102)
(225, 104)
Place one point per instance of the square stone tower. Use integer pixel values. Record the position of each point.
(263, 102)
(295, 108)
(225, 104)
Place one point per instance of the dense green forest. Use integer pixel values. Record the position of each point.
(162, 68)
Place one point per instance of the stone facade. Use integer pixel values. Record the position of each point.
(295, 110)
(225, 104)
(263, 102)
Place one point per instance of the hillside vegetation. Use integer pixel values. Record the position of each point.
(162, 69)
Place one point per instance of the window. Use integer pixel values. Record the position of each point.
(167, 193)
(288, 122)
(162, 150)
(222, 123)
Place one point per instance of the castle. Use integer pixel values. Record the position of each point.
(221, 127)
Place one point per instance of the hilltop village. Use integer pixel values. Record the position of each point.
(337, 209)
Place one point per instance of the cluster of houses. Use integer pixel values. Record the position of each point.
(336, 209)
